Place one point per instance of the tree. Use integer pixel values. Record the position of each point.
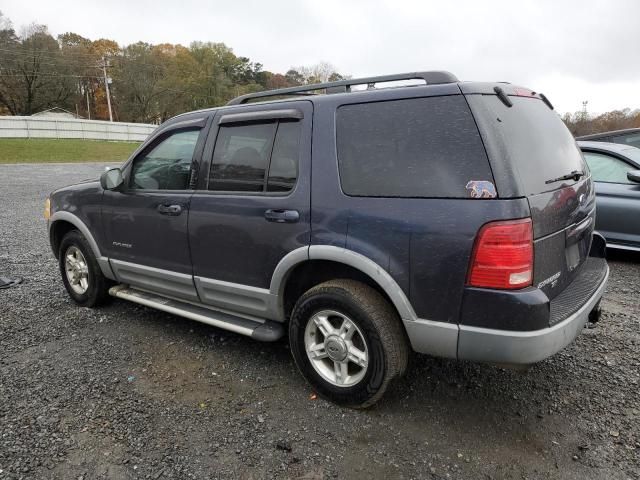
(294, 77)
(82, 62)
(33, 74)
(319, 73)
(137, 82)
(150, 82)
(581, 124)
(276, 80)
(8, 83)
(6, 29)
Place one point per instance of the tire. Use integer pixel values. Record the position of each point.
(97, 285)
(378, 333)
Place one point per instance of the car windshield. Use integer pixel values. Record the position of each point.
(632, 153)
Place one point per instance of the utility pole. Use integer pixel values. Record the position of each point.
(88, 109)
(106, 87)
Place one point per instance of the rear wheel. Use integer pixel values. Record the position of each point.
(80, 271)
(348, 342)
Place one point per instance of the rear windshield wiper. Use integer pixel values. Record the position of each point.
(575, 176)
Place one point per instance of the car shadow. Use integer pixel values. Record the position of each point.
(617, 255)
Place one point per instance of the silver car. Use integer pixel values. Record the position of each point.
(616, 173)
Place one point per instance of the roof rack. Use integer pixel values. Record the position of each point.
(342, 86)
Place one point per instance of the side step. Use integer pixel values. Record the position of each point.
(259, 329)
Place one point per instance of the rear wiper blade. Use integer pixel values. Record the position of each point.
(575, 176)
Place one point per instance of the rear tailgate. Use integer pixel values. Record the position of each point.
(530, 147)
(563, 222)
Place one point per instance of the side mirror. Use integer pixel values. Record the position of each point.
(111, 179)
(634, 176)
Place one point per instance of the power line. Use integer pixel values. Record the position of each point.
(46, 74)
(49, 53)
(49, 57)
(118, 59)
(162, 90)
(62, 55)
(78, 65)
(58, 64)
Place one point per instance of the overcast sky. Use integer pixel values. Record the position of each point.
(569, 50)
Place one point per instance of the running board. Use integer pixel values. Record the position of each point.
(258, 329)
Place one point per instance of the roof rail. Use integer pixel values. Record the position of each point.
(342, 86)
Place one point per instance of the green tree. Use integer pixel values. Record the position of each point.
(150, 82)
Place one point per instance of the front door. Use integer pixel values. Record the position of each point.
(253, 205)
(145, 221)
(618, 199)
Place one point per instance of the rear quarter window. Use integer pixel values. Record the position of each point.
(419, 147)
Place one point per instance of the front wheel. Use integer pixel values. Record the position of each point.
(80, 271)
(348, 342)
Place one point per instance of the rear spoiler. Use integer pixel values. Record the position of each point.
(502, 90)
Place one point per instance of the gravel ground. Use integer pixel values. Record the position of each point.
(128, 392)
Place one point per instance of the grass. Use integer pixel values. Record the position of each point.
(44, 150)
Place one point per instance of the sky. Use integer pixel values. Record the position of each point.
(573, 51)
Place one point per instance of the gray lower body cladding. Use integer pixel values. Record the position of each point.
(563, 320)
(523, 348)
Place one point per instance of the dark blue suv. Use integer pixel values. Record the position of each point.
(450, 218)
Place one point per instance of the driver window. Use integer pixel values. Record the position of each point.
(167, 166)
(605, 168)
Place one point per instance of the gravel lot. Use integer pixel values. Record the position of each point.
(128, 392)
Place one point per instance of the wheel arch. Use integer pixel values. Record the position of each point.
(61, 223)
(366, 269)
(57, 231)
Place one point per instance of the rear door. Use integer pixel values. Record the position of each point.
(531, 143)
(618, 198)
(253, 203)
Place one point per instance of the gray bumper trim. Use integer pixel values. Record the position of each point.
(439, 339)
(508, 347)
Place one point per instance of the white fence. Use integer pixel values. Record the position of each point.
(39, 127)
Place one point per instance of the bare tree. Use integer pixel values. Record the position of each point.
(318, 73)
(32, 76)
(583, 124)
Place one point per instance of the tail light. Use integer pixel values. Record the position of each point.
(503, 255)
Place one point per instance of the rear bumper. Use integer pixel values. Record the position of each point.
(525, 347)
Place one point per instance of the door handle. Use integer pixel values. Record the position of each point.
(282, 216)
(172, 210)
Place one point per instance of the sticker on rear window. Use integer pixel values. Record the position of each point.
(481, 189)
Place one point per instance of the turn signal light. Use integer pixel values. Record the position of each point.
(47, 209)
(503, 255)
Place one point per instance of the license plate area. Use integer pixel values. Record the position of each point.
(578, 243)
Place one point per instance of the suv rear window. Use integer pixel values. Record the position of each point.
(536, 141)
(419, 147)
